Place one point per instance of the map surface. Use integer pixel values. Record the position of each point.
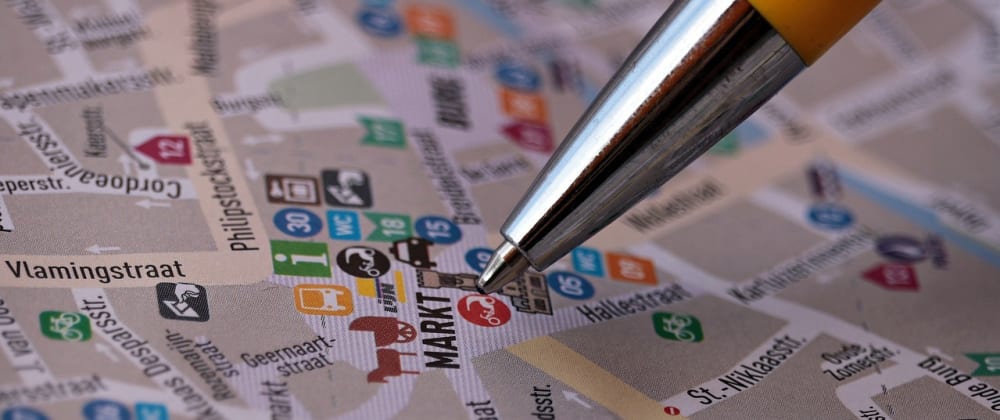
(277, 209)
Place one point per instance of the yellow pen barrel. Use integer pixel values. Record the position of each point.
(812, 26)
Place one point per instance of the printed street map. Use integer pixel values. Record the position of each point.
(277, 209)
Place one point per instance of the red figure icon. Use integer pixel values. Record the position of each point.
(387, 330)
(388, 365)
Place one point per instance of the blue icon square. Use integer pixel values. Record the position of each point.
(151, 411)
(343, 225)
(588, 261)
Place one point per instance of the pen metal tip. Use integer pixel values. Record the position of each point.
(506, 264)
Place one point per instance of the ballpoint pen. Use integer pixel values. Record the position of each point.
(703, 68)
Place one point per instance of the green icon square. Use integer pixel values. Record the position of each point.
(383, 132)
(729, 145)
(677, 327)
(65, 326)
(437, 52)
(989, 363)
(389, 227)
(307, 259)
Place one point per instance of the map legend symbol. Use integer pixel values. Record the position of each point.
(899, 277)
(383, 132)
(182, 301)
(167, 150)
(570, 285)
(64, 326)
(678, 327)
(343, 225)
(484, 311)
(988, 363)
(901, 248)
(297, 222)
(150, 411)
(292, 258)
(389, 227)
(631, 269)
(290, 189)
(323, 299)
(347, 188)
(523, 106)
(362, 261)
(530, 136)
(105, 410)
(23, 413)
(588, 261)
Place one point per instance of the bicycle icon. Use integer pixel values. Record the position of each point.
(67, 326)
(678, 327)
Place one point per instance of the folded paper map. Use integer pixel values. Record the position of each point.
(278, 209)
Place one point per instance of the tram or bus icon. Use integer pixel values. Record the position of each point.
(413, 251)
(323, 299)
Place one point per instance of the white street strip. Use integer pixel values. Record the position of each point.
(173, 384)
(6, 222)
(340, 33)
(32, 184)
(22, 355)
(69, 173)
(817, 259)
(891, 35)
(972, 217)
(251, 171)
(267, 393)
(63, 47)
(750, 371)
(52, 391)
(118, 390)
(885, 103)
(97, 249)
(794, 314)
(857, 395)
(788, 206)
(149, 204)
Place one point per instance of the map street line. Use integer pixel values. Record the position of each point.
(857, 395)
(789, 207)
(793, 332)
(106, 351)
(235, 15)
(25, 360)
(97, 249)
(564, 364)
(735, 179)
(251, 171)
(189, 102)
(572, 396)
(6, 222)
(152, 363)
(23, 270)
(148, 204)
(125, 149)
(771, 305)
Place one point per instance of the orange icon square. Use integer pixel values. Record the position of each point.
(631, 269)
(523, 106)
(430, 21)
(323, 299)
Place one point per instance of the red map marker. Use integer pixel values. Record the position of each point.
(530, 136)
(167, 150)
(894, 277)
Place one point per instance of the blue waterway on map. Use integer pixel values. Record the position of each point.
(921, 216)
(586, 89)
